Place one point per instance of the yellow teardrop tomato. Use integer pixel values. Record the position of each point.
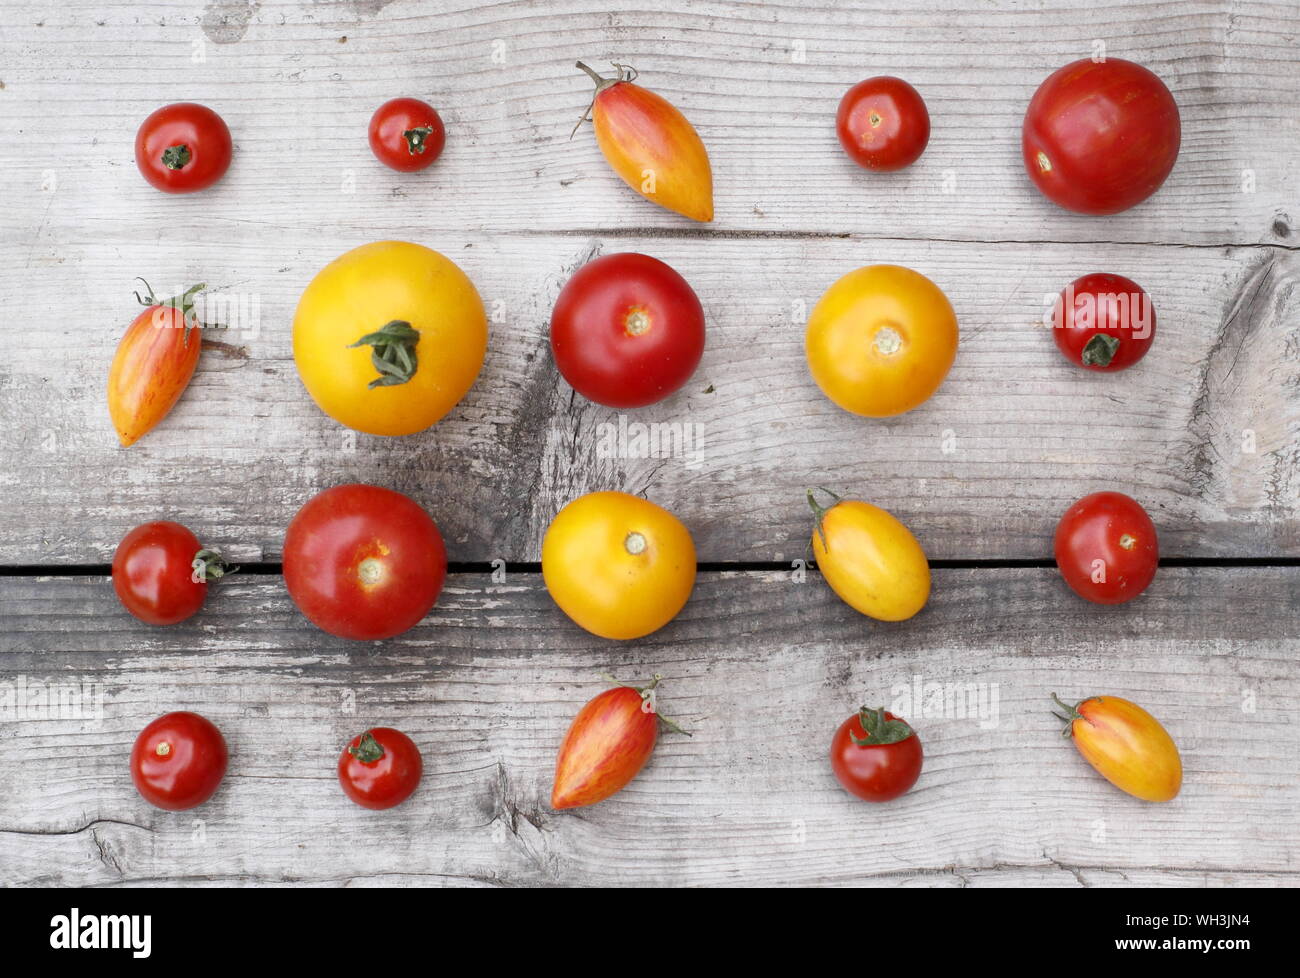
(1126, 745)
(870, 559)
(618, 565)
(400, 302)
(881, 340)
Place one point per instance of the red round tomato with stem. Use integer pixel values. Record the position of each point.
(1103, 322)
(178, 761)
(1101, 136)
(627, 330)
(883, 123)
(1106, 548)
(406, 134)
(380, 768)
(363, 562)
(608, 743)
(161, 572)
(875, 755)
(183, 147)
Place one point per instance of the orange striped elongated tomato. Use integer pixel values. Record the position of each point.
(154, 362)
(1127, 746)
(608, 743)
(651, 145)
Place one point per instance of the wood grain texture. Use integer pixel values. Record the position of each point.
(759, 669)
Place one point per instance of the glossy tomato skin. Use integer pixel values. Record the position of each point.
(380, 768)
(406, 134)
(363, 562)
(874, 772)
(881, 340)
(182, 148)
(618, 565)
(1128, 747)
(1106, 548)
(178, 761)
(153, 573)
(871, 560)
(627, 331)
(608, 743)
(153, 364)
(883, 124)
(1104, 322)
(1101, 137)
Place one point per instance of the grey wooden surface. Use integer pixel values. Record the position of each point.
(1204, 432)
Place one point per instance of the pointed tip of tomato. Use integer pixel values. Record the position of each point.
(126, 439)
(561, 800)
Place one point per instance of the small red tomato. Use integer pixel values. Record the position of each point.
(406, 134)
(608, 742)
(182, 148)
(1101, 136)
(363, 562)
(161, 573)
(178, 761)
(1104, 322)
(875, 755)
(883, 123)
(627, 331)
(1106, 548)
(380, 768)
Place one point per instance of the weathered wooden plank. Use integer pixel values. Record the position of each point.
(761, 670)
(1204, 431)
(761, 82)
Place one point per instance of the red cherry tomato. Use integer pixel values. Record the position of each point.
(1103, 322)
(1100, 137)
(182, 148)
(380, 768)
(406, 134)
(161, 573)
(178, 761)
(627, 331)
(1106, 548)
(363, 562)
(875, 755)
(883, 123)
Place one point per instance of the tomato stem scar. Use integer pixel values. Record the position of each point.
(163, 749)
(1128, 541)
(370, 571)
(887, 340)
(637, 322)
(635, 543)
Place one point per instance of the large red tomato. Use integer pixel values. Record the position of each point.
(1103, 322)
(1102, 136)
(1106, 548)
(363, 562)
(627, 330)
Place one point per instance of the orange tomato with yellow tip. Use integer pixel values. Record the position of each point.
(1126, 745)
(154, 362)
(618, 565)
(651, 145)
(881, 340)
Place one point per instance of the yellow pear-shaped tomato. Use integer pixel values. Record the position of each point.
(881, 340)
(618, 565)
(651, 145)
(1126, 745)
(388, 337)
(870, 559)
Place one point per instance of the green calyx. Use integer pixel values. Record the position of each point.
(177, 157)
(393, 353)
(416, 138)
(1100, 350)
(210, 566)
(183, 303)
(820, 511)
(879, 728)
(646, 692)
(368, 750)
(1071, 714)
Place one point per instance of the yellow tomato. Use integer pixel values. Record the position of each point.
(870, 559)
(405, 304)
(619, 566)
(881, 340)
(1126, 745)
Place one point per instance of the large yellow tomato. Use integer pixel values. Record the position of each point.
(619, 566)
(870, 559)
(399, 303)
(881, 340)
